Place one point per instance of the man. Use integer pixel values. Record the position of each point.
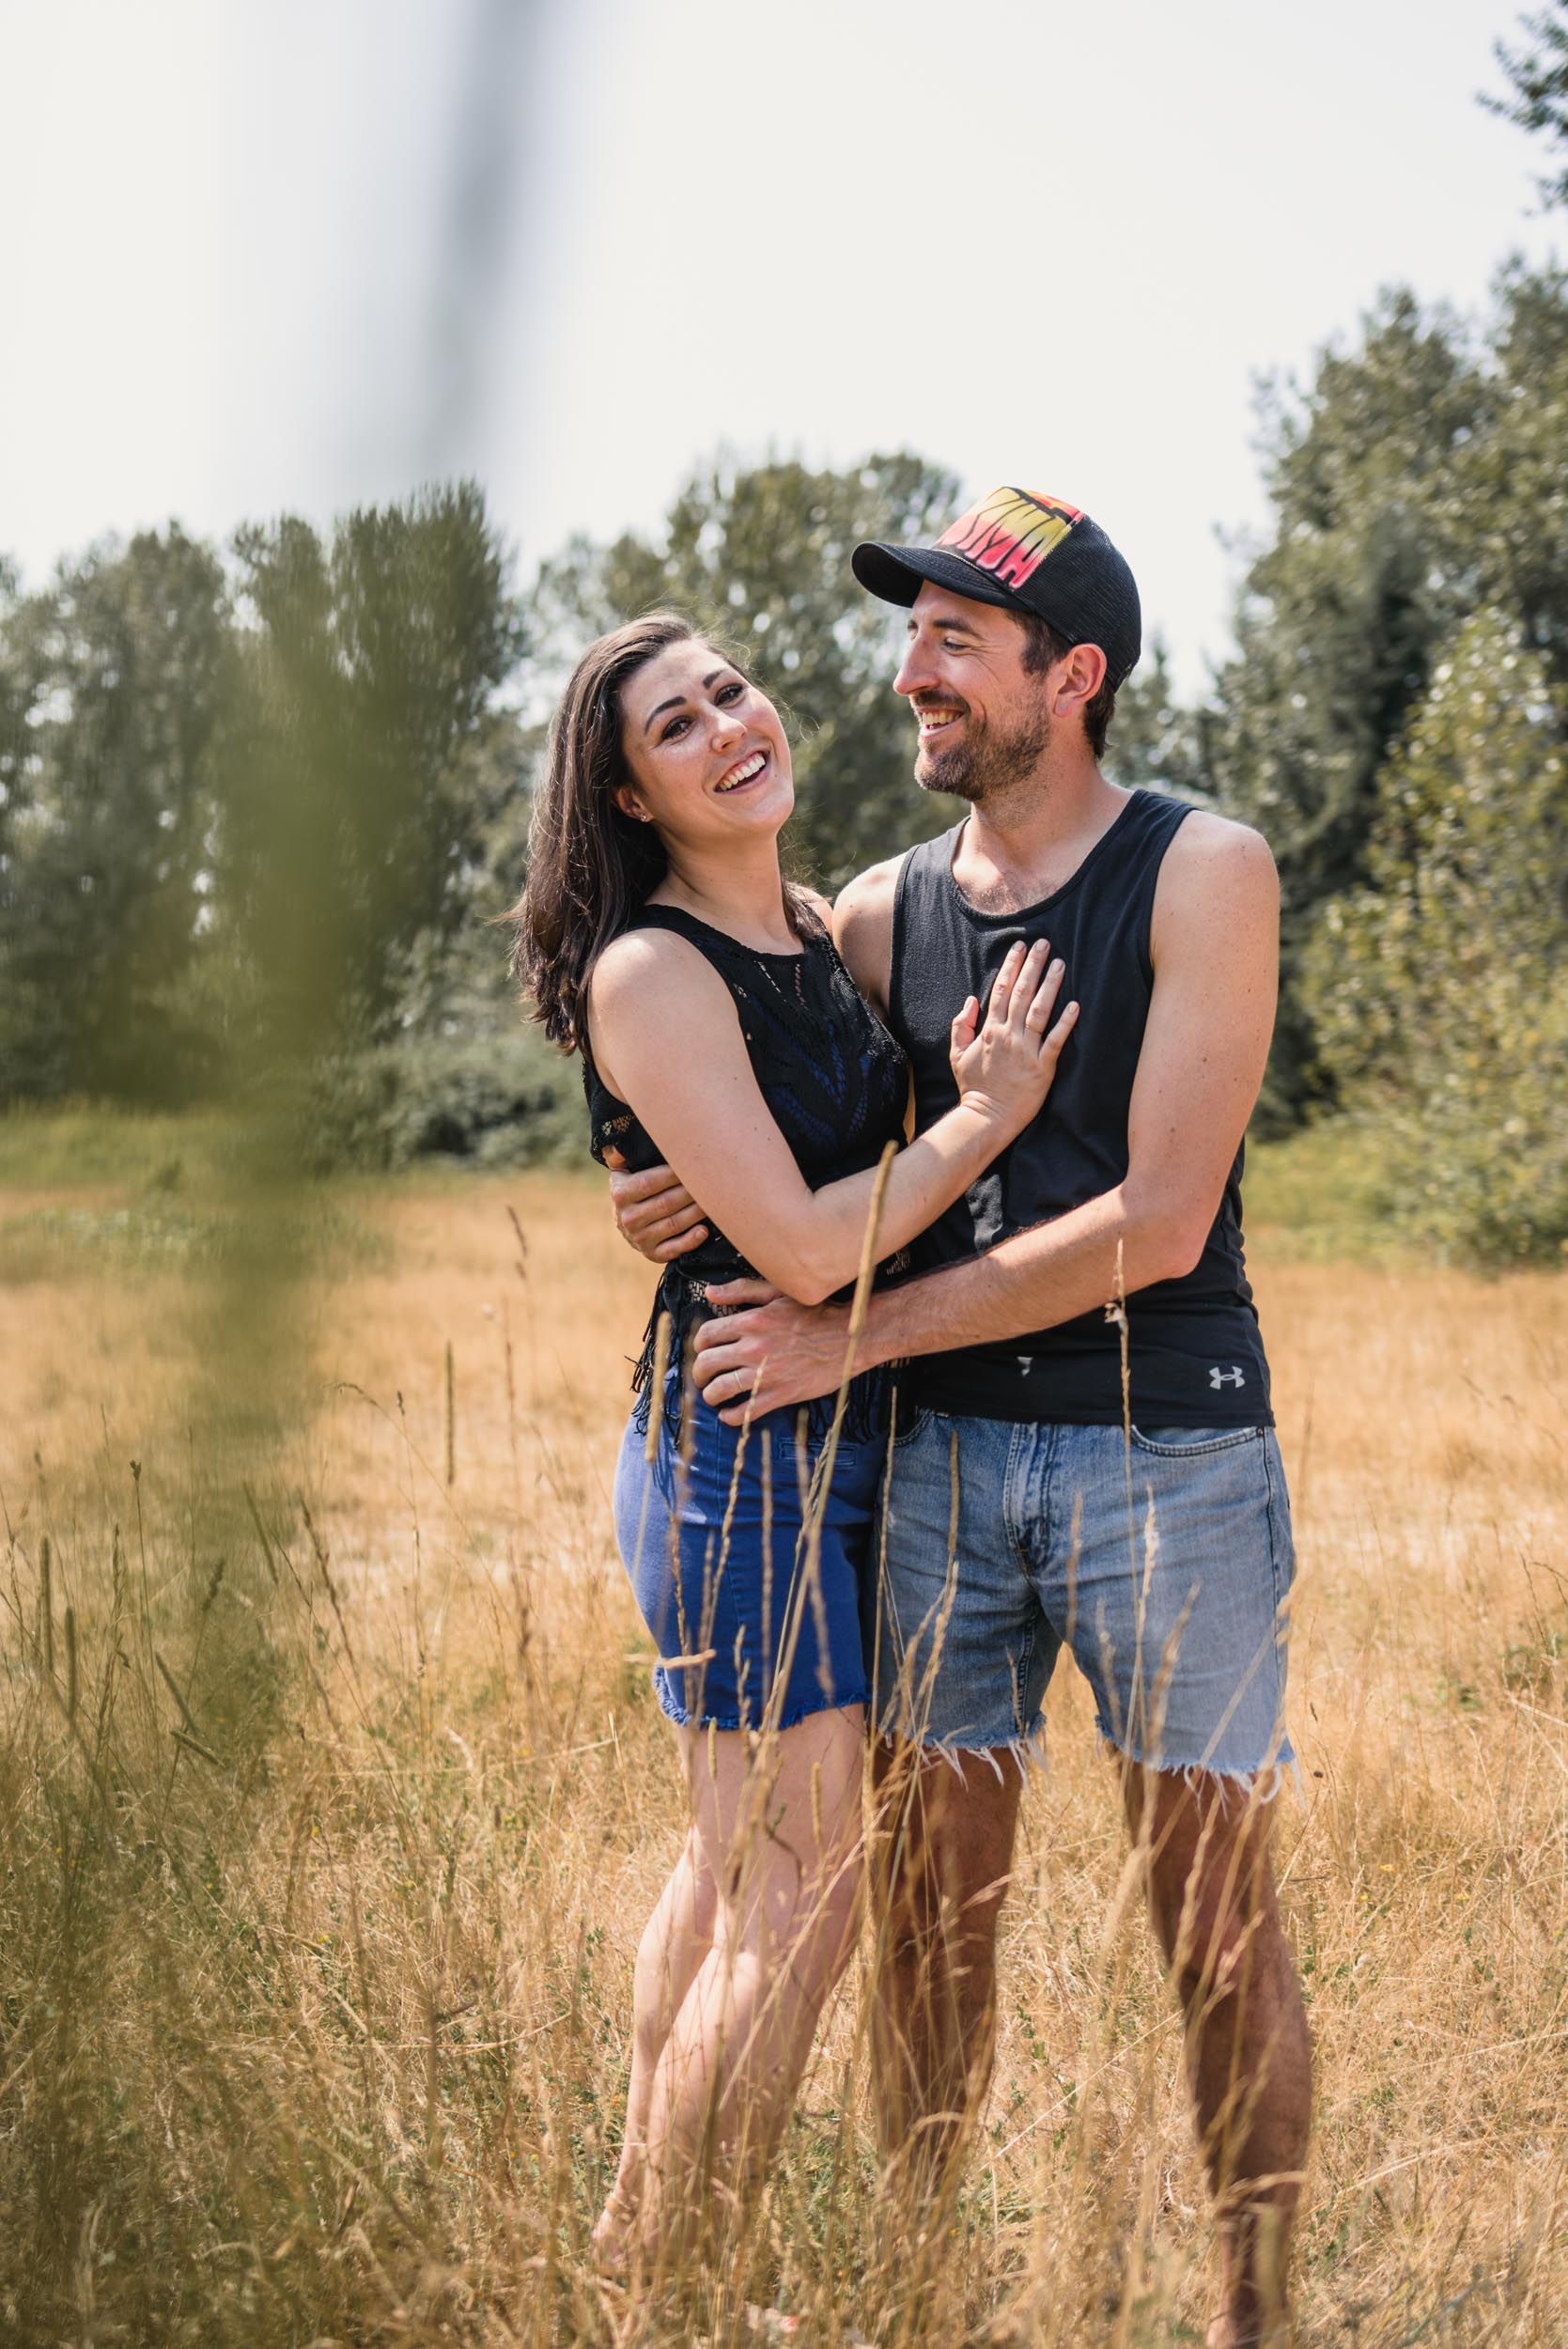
(1082, 1350)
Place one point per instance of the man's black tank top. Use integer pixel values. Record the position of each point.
(1195, 1358)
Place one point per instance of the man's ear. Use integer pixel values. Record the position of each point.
(1079, 679)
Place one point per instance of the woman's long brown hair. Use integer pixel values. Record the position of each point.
(590, 867)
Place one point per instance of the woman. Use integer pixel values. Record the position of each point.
(721, 1032)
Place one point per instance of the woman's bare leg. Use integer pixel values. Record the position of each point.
(778, 1829)
(676, 1939)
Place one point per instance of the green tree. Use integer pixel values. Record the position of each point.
(1339, 614)
(1418, 479)
(1439, 986)
(762, 554)
(111, 684)
(15, 704)
(1506, 517)
(1539, 76)
(1154, 738)
(358, 753)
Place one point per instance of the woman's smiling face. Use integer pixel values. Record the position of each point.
(704, 747)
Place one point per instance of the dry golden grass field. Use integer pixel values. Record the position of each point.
(333, 1796)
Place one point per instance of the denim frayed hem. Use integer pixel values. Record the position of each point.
(1262, 1784)
(728, 1721)
(1028, 1752)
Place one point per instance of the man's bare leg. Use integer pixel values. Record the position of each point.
(1250, 2059)
(943, 1849)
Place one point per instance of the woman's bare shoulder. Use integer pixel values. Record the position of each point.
(644, 984)
(642, 966)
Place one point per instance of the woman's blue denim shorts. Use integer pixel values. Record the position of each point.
(1163, 1561)
(755, 1626)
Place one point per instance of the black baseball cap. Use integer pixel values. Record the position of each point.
(1026, 552)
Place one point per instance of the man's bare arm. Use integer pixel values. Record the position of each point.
(654, 1211)
(863, 930)
(1214, 947)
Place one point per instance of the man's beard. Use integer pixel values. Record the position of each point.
(985, 762)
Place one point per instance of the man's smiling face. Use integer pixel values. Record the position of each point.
(984, 718)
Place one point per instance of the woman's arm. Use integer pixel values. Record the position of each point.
(666, 1039)
(654, 1213)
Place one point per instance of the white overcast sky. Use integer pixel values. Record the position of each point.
(260, 255)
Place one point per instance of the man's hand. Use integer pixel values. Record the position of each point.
(771, 1353)
(653, 1213)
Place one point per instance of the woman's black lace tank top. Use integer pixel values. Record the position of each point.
(834, 1079)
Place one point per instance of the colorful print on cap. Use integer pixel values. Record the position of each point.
(1010, 534)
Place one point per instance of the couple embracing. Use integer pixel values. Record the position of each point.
(1057, 1432)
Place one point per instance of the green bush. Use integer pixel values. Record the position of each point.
(1440, 990)
(502, 1100)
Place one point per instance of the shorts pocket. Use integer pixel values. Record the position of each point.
(1183, 1443)
(909, 1422)
(1282, 1540)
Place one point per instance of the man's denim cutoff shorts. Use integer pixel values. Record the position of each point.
(1164, 1563)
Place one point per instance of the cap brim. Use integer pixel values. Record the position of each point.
(897, 574)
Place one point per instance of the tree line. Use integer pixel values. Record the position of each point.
(257, 800)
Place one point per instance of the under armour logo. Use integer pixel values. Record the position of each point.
(1235, 1376)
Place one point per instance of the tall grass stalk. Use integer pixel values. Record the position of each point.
(318, 1903)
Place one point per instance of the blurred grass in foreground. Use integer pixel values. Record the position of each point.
(330, 1827)
(84, 1144)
